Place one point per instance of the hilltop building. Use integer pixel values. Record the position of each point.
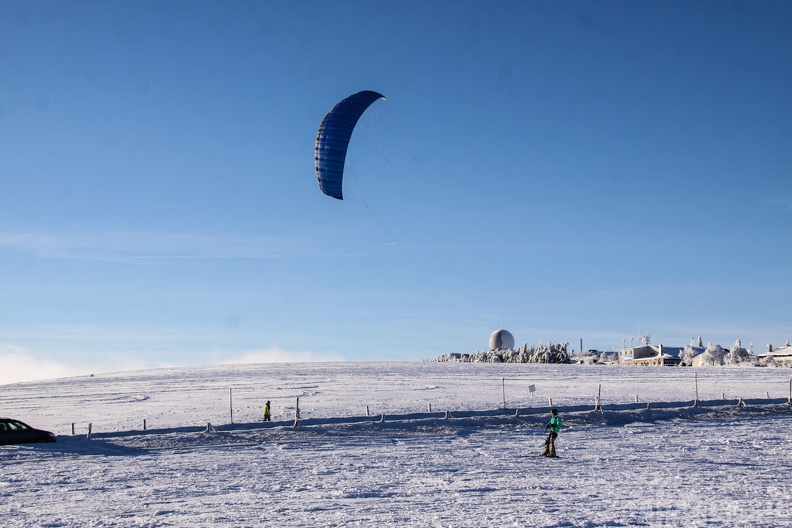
(656, 355)
(783, 353)
(651, 355)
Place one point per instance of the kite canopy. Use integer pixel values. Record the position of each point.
(333, 137)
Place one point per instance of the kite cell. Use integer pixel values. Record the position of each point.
(333, 137)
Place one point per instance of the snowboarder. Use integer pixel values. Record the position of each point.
(554, 425)
(267, 411)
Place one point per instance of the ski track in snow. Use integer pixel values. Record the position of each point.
(724, 465)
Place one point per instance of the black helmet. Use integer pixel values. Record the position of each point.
(554, 411)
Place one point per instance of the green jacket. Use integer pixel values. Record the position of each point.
(555, 424)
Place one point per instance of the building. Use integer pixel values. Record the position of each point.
(651, 355)
(780, 354)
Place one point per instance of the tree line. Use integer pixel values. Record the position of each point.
(543, 353)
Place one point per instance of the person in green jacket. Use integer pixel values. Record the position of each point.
(555, 427)
(267, 411)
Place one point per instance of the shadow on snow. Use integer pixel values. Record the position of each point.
(385, 429)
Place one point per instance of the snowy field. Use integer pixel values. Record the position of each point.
(467, 463)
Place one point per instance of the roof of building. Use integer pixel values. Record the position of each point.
(666, 350)
(784, 351)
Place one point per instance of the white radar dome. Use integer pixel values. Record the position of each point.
(501, 339)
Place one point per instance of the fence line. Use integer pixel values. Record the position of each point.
(514, 413)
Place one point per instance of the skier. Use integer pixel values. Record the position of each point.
(555, 427)
(267, 411)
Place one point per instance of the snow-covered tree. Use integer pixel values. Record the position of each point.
(550, 353)
(687, 355)
(713, 356)
(608, 357)
(737, 355)
(768, 361)
(587, 357)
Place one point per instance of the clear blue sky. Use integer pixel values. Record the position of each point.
(565, 170)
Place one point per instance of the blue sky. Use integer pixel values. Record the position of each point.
(565, 170)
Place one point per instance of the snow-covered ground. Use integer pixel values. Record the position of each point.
(668, 465)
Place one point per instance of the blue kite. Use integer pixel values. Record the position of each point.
(333, 137)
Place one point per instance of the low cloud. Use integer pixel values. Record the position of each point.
(17, 365)
(278, 355)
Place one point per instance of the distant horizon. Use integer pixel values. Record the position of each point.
(21, 367)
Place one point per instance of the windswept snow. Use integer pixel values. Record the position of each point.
(668, 465)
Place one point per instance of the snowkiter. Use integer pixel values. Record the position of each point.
(267, 411)
(554, 425)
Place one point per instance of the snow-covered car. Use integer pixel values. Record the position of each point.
(16, 432)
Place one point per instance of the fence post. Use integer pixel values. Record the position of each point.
(695, 377)
(597, 406)
(231, 405)
(72, 428)
(367, 411)
(790, 392)
(297, 413)
(144, 424)
(503, 390)
(430, 407)
(90, 430)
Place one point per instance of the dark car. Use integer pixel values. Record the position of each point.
(16, 432)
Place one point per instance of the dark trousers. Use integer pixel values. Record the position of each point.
(550, 443)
